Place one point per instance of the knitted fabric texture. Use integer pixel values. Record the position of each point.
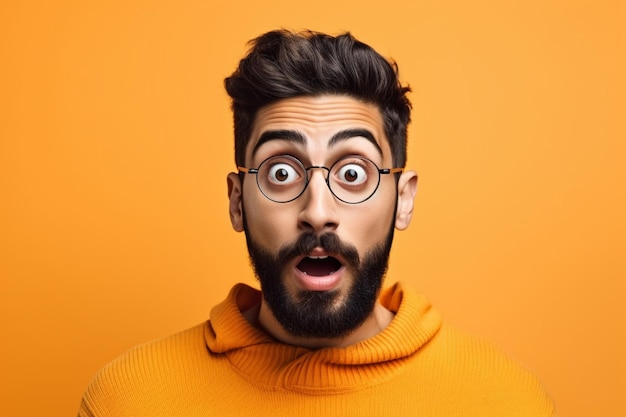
(226, 367)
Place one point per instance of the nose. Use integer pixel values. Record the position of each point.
(318, 213)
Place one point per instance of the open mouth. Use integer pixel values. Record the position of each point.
(319, 266)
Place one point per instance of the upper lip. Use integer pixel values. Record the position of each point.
(320, 253)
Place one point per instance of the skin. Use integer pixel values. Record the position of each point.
(365, 225)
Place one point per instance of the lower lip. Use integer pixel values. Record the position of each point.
(319, 283)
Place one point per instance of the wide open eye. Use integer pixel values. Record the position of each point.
(282, 173)
(352, 174)
(281, 178)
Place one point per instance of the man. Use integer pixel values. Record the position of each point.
(320, 146)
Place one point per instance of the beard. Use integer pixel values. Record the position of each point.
(320, 314)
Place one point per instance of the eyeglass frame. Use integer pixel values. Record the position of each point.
(381, 171)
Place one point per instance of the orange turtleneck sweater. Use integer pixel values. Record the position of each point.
(227, 367)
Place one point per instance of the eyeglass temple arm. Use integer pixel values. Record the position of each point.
(248, 170)
(390, 170)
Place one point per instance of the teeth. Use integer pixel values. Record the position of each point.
(318, 257)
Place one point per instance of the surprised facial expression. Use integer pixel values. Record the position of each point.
(320, 255)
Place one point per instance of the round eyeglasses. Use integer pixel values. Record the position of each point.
(352, 179)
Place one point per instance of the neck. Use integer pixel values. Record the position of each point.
(261, 316)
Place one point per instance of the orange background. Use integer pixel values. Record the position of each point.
(115, 140)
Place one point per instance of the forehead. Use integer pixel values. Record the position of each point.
(318, 119)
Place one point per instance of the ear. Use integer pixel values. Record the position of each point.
(235, 206)
(407, 187)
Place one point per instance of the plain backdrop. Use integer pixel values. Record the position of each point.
(116, 138)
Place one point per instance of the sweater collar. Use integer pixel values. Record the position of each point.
(265, 361)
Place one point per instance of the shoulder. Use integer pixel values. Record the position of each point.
(476, 371)
(145, 370)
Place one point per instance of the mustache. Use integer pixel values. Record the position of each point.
(329, 242)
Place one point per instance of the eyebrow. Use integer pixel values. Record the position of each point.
(298, 138)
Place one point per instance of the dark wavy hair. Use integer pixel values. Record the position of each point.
(282, 64)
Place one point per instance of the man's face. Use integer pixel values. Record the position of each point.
(320, 261)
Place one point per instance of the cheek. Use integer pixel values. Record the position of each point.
(368, 225)
(267, 224)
